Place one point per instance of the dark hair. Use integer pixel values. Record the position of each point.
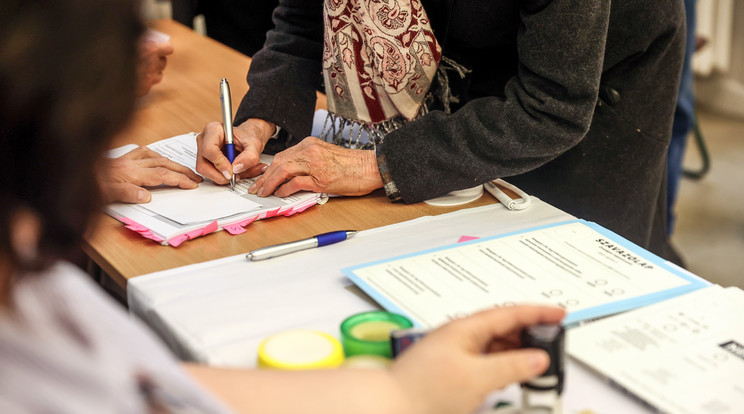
(67, 86)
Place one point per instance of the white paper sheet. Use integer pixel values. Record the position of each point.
(118, 152)
(181, 149)
(579, 266)
(684, 355)
(208, 202)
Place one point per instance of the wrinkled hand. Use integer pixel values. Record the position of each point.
(249, 138)
(151, 63)
(454, 368)
(122, 179)
(318, 166)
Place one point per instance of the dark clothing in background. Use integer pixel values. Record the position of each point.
(572, 100)
(240, 24)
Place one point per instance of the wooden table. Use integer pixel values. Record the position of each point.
(186, 100)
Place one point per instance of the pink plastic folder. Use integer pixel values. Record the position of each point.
(167, 232)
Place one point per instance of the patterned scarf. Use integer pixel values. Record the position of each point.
(379, 58)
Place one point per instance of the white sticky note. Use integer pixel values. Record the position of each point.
(208, 202)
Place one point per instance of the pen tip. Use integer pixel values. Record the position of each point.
(351, 233)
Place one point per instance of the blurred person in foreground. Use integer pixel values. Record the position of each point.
(67, 86)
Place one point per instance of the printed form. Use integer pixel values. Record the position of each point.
(684, 355)
(574, 265)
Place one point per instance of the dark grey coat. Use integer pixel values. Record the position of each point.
(572, 100)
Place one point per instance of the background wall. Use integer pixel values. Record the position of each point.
(156, 9)
(719, 66)
(161, 9)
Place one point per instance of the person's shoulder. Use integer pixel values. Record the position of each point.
(65, 275)
(66, 288)
(77, 288)
(88, 300)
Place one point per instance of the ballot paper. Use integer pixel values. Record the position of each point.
(578, 265)
(175, 215)
(683, 355)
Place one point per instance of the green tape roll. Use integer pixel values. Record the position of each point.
(368, 333)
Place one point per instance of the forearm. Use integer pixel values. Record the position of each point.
(328, 392)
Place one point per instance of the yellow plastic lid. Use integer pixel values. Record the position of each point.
(300, 349)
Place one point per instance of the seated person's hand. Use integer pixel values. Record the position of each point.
(249, 138)
(122, 179)
(454, 368)
(151, 62)
(321, 167)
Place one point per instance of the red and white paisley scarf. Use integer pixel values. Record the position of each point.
(379, 58)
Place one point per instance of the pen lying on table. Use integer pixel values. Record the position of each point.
(296, 246)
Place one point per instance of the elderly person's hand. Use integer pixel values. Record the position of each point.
(123, 179)
(318, 166)
(250, 139)
(151, 62)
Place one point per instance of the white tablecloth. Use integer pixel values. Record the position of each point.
(217, 312)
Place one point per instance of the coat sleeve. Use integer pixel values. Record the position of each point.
(285, 74)
(546, 109)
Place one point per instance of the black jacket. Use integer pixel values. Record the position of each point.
(572, 100)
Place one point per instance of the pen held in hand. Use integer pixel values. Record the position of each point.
(299, 245)
(226, 103)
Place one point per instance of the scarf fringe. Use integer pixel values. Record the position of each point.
(334, 125)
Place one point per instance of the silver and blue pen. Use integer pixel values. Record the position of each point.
(226, 101)
(296, 246)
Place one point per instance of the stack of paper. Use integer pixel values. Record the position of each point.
(175, 215)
